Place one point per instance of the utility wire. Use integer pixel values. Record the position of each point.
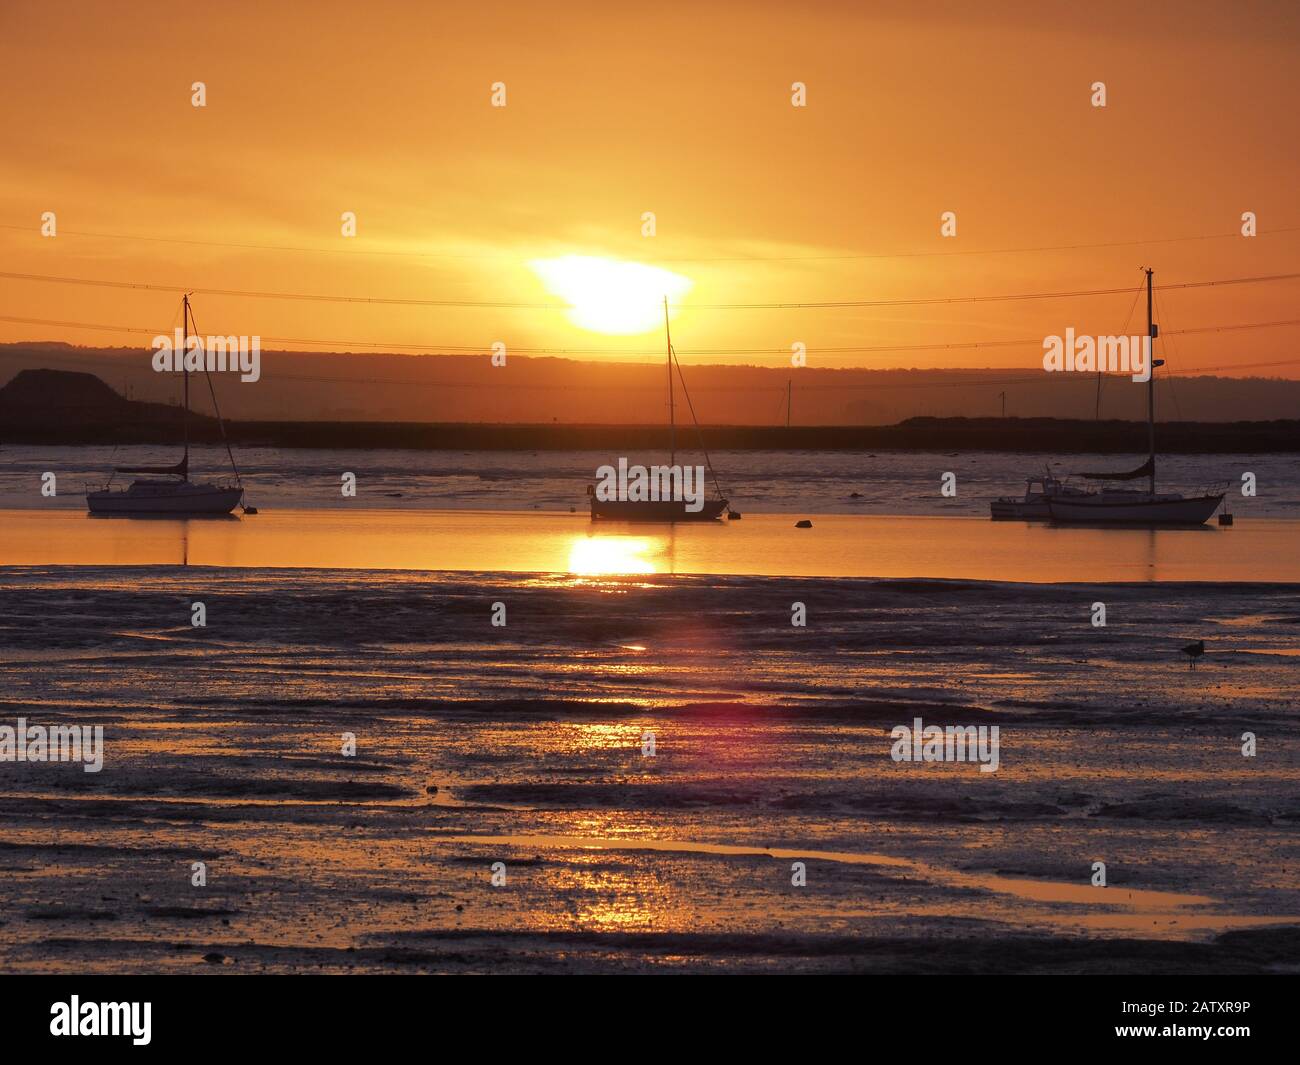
(513, 305)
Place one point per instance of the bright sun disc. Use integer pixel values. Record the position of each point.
(611, 295)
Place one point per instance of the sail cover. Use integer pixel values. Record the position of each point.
(181, 469)
(1145, 470)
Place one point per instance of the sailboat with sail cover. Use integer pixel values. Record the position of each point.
(168, 490)
(665, 510)
(1131, 506)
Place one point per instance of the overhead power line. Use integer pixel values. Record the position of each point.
(513, 305)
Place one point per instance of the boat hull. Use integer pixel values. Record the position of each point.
(1032, 506)
(1018, 510)
(664, 510)
(194, 500)
(1192, 510)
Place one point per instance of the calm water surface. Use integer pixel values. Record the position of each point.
(759, 545)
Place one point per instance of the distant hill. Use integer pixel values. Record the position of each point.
(314, 387)
(57, 407)
(57, 390)
(72, 406)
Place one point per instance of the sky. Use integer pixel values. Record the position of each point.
(533, 213)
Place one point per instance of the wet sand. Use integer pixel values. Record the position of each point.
(523, 745)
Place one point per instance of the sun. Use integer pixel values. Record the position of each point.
(611, 295)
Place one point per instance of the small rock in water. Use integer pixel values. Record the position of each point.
(855, 495)
(432, 789)
(214, 958)
(804, 524)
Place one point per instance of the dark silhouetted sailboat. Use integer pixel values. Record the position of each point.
(665, 510)
(168, 490)
(1131, 506)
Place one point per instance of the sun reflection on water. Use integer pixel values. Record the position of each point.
(609, 555)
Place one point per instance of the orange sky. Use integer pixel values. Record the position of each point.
(681, 109)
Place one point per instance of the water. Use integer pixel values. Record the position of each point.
(779, 482)
(483, 541)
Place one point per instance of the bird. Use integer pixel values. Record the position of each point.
(1194, 651)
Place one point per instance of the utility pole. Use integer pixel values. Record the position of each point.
(789, 391)
(1003, 396)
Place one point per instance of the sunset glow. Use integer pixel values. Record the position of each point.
(610, 295)
(755, 200)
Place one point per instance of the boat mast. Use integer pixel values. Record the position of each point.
(185, 349)
(672, 421)
(1151, 391)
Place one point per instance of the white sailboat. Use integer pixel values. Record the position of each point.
(1130, 506)
(169, 490)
